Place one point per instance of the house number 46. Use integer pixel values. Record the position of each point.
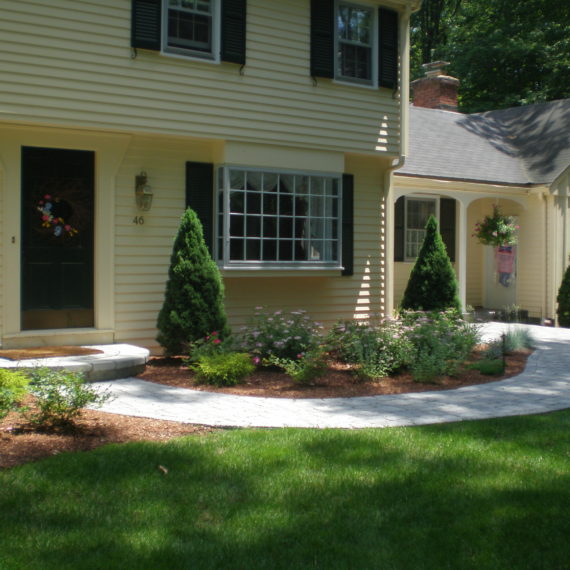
(138, 220)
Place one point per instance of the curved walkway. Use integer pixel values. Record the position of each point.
(544, 386)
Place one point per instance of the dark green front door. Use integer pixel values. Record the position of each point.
(57, 238)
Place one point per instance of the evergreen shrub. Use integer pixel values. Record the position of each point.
(194, 299)
(432, 285)
(563, 299)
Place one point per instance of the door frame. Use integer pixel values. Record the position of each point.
(109, 150)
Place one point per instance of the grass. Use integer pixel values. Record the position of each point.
(486, 494)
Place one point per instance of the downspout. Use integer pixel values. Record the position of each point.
(404, 89)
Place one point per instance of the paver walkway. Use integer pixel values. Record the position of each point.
(544, 386)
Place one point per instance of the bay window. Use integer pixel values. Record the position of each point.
(278, 219)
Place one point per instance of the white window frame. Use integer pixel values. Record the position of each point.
(373, 81)
(326, 239)
(416, 198)
(212, 55)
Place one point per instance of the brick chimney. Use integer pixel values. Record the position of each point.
(436, 90)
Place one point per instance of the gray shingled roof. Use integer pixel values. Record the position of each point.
(521, 146)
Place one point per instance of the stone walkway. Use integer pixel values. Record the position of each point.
(544, 386)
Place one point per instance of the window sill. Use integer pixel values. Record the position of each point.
(347, 82)
(206, 58)
(280, 272)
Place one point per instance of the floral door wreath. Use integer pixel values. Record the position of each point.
(55, 214)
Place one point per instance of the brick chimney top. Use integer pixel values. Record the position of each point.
(436, 90)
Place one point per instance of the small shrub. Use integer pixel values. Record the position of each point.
(223, 369)
(377, 350)
(13, 389)
(441, 341)
(279, 334)
(489, 367)
(304, 369)
(510, 341)
(60, 396)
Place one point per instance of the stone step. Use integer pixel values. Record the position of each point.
(114, 361)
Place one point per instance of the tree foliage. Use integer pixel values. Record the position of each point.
(194, 299)
(505, 52)
(432, 285)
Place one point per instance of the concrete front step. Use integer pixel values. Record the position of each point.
(114, 361)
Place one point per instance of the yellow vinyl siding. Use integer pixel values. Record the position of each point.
(532, 261)
(77, 63)
(2, 238)
(142, 252)
(327, 299)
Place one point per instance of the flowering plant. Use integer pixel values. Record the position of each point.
(280, 334)
(496, 230)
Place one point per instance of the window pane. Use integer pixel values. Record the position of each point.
(253, 249)
(237, 202)
(254, 202)
(236, 226)
(418, 212)
(285, 250)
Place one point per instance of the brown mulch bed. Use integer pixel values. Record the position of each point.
(20, 443)
(339, 381)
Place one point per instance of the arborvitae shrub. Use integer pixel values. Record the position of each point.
(194, 299)
(432, 285)
(564, 300)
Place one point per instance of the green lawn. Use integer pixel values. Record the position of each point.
(487, 494)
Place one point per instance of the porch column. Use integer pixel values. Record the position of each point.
(461, 254)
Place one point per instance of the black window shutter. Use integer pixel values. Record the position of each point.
(348, 224)
(322, 38)
(447, 225)
(233, 31)
(388, 46)
(199, 196)
(146, 24)
(399, 228)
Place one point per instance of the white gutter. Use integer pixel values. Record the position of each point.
(404, 89)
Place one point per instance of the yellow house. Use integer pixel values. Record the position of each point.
(280, 122)
(459, 167)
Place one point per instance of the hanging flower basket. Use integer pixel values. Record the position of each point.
(496, 230)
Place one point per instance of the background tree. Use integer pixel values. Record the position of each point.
(505, 52)
(432, 285)
(564, 300)
(194, 299)
(429, 30)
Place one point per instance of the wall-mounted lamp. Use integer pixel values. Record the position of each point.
(143, 192)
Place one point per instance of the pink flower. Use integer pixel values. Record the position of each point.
(217, 341)
(256, 360)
